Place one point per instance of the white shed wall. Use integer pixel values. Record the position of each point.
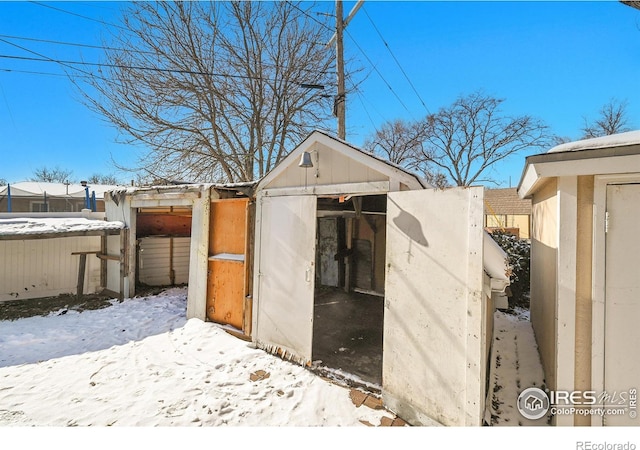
(39, 268)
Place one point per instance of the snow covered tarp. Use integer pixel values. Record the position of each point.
(23, 227)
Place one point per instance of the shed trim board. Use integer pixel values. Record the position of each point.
(566, 289)
(199, 255)
(354, 189)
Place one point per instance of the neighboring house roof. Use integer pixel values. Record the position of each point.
(617, 153)
(505, 202)
(38, 189)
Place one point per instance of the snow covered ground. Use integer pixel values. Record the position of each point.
(516, 366)
(140, 363)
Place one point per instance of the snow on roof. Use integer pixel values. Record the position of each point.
(37, 226)
(614, 140)
(37, 188)
(128, 190)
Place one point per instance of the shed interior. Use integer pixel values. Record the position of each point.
(349, 293)
(163, 239)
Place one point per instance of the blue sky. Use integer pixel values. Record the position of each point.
(557, 61)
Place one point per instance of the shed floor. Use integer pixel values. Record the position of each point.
(347, 333)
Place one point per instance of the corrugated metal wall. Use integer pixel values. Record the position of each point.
(45, 267)
(164, 261)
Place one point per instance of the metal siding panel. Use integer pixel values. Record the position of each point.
(155, 266)
(44, 267)
(181, 259)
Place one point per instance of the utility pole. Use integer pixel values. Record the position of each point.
(340, 102)
(339, 105)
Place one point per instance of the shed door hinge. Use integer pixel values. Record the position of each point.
(606, 221)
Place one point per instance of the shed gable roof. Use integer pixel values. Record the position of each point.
(334, 162)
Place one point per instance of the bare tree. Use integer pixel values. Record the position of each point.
(103, 179)
(398, 141)
(216, 91)
(468, 137)
(401, 142)
(54, 175)
(612, 119)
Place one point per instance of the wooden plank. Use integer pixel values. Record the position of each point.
(81, 269)
(225, 293)
(108, 257)
(163, 224)
(123, 270)
(227, 230)
(103, 262)
(248, 251)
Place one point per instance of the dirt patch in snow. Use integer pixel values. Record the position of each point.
(20, 309)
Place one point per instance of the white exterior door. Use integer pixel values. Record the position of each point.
(434, 317)
(286, 272)
(622, 296)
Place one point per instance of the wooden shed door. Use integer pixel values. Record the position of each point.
(622, 302)
(433, 316)
(228, 246)
(286, 274)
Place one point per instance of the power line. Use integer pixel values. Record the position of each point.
(46, 58)
(70, 64)
(99, 47)
(396, 60)
(378, 72)
(79, 15)
(33, 72)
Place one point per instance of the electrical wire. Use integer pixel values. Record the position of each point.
(79, 15)
(71, 64)
(378, 72)
(99, 47)
(397, 62)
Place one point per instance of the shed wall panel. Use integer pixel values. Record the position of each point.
(45, 267)
(544, 260)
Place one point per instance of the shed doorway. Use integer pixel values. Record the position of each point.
(349, 286)
(163, 240)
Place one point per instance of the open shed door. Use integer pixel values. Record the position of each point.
(287, 234)
(433, 369)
